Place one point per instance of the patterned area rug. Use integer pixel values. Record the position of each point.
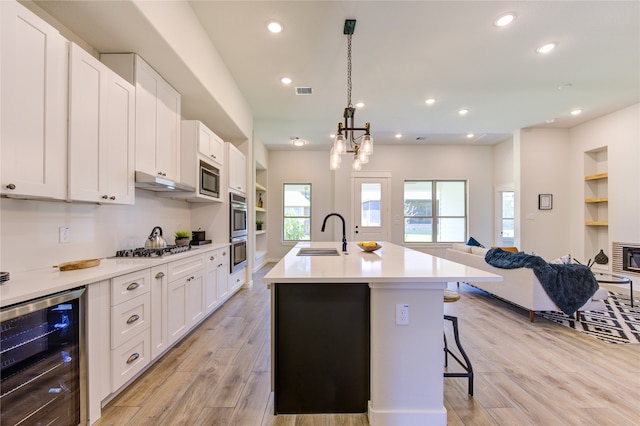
(619, 323)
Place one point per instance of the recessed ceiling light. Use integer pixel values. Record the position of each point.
(504, 20)
(551, 121)
(398, 135)
(546, 48)
(576, 112)
(470, 135)
(286, 80)
(274, 27)
(430, 101)
(360, 104)
(463, 111)
(332, 135)
(298, 142)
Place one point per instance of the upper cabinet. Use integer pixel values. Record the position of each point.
(237, 168)
(157, 117)
(101, 132)
(33, 118)
(209, 145)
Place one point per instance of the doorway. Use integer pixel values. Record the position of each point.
(505, 217)
(371, 207)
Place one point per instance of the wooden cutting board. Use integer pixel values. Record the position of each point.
(78, 264)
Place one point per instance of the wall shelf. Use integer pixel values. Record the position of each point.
(260, 232)
(260, 209)
(597, 200)
(597, 176)
(596, 223)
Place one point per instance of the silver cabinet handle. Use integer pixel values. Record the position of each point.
(159, 275)
(133, 318)
(132, 286)
(11, 186)
(212, 257)
(113, 197)
(191, 278)
(104, 197)
(220, 265)
(133, 357)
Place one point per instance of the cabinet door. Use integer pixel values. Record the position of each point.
(236, 169)
(211, 281)
(33, 107)
(159, 310)
(217, 149)
(119, 135)
(223, 274)
(177, 320)
(195, 298)
(146, 92)
(87, 112)
(168, 131)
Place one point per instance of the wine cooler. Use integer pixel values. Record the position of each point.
(42, 367)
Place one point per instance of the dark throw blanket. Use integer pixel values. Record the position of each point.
(569, 286)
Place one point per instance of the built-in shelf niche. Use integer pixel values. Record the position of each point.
(596, 204)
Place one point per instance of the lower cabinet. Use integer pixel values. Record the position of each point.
(130, 326)
(159, 306)
(185, 305)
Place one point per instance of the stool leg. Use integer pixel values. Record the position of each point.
(467, 362)
(446, 351)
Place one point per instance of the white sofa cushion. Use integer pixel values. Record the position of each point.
(479, 251)
(461, 247)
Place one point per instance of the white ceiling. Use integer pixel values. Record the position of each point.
(403, 53)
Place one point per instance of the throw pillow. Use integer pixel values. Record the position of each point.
(473, 242)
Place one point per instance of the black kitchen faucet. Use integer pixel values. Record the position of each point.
(344, 228)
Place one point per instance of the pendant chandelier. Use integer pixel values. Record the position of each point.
(346, 140)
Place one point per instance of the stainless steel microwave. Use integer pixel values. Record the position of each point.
(209, 180)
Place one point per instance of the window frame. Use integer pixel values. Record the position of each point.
(435, 217)
(285, 217)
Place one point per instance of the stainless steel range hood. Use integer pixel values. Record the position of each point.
(159, 184)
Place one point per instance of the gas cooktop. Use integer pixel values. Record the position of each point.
(152, 252)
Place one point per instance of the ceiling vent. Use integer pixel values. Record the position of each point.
(304, 91)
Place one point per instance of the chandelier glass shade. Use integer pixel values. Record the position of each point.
(349, 138)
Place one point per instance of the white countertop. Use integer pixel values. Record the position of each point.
(392, 263)
(29, 285)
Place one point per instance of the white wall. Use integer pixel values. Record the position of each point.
(544, 166)
(331, 191)
(620, 133)
(30, 229)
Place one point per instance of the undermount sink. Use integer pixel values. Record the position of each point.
(318, 252)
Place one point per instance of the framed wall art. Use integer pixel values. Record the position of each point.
(545, 201)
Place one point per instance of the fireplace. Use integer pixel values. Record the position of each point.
(626, 258)
(631, 259)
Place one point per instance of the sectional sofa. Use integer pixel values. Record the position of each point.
(520, 286)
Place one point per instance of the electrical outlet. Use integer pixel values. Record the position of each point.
(402, 314)
(64, 234)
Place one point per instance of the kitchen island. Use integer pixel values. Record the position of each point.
(318, 369)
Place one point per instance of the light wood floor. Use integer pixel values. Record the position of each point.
(526, 374)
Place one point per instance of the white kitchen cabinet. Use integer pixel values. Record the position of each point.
(158, 116)
(237, 279)
(216, 267)
(101, 132)
(236, 168)
(130, 326)
(201, 151)
(202, 141)
(33, 118)
(159, 309)
(186, 296)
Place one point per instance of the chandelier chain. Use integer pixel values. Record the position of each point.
(349, 71)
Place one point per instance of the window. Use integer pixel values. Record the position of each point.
(439, 218)
(297, 212)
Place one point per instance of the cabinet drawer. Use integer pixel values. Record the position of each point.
(184, 267)
(129, 359)
(130, 318)
(126, 287)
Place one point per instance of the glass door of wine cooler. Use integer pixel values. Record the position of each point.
(42, 382)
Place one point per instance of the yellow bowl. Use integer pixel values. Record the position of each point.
(370, 248)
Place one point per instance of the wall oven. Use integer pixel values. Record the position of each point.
(238, 215)
(42, 356)
(238, 253)
(209, 180)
